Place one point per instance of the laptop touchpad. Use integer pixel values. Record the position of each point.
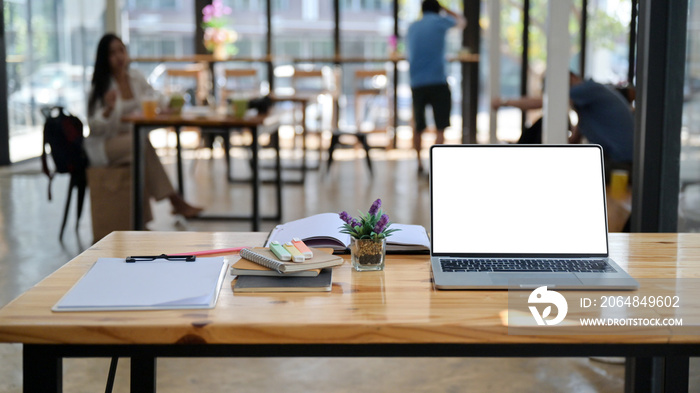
(534, 280)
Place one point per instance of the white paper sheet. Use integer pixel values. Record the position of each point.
(113, 284)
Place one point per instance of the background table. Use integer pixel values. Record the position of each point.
(391, 313)
(142, 125)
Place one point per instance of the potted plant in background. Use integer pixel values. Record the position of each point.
(217, 38)
(368, 237)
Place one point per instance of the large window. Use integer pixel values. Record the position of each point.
(157, 28)
(607, 50)
(365, 5)
(155, 4)
(365, 28)
(248, 19)
(51, 44)
(301, 30)
(606, 60)
(689, 201)
(50, 47)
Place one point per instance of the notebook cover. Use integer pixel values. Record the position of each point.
(244, 267)
(319, 260)
(320, 283)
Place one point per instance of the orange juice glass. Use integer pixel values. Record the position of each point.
(150, 108)
(619, 179)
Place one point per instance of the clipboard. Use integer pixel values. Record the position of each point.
(112, 284)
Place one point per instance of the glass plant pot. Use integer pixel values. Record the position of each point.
(367, 254)
(220, 52)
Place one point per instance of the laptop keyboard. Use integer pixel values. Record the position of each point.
(525, 265)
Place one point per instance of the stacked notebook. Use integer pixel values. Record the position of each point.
(259, 270)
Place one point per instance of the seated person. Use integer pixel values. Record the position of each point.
(604, 118)
(117, 91)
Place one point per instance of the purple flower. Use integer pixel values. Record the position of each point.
(216, 9)
(207, 13)
(392, 42)
(354, 223)
(346, 217)
(381, 224)
(375, 207)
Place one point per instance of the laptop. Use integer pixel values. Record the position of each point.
(520, 217)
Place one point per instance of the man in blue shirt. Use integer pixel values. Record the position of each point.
(604, 118)
(425, 43)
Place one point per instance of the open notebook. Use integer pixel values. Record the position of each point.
(323, 230)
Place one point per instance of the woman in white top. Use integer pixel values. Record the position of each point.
(117, 91)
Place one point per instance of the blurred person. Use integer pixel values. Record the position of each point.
(604, 118)
(425, 45)
(117, 91)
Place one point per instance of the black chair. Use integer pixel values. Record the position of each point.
(336, 142)
(64, 133)
(78, 180)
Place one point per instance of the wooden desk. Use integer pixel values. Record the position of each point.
(207, 58)
(143, 125)
(391, 313)
(463, 58)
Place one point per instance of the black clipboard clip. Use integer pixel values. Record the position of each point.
(185, 258)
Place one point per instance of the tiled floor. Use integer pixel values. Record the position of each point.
(29, 251)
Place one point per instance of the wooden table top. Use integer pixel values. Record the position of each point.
(208, 58)
(461, 57)
(398, 305)
(213, 119)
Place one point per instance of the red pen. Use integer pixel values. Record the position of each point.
(216, 251)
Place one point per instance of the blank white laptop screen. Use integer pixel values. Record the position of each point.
(518, 200)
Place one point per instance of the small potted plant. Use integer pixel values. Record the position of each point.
(368, 237)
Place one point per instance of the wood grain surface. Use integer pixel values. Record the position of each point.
(398, 305)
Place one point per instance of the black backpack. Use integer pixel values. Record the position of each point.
(64, 133)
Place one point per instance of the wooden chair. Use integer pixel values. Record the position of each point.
(372, 104)
(371, 100)
(236, 81)
(240, 80)
(192, 80)
(317, 85)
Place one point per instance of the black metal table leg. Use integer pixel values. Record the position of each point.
(278, 174)
(303, 142)
(638, 375)
(676, 373)
(138, 174)
(42, 369)
(256, 179)
(178, 149)
(143, 374)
